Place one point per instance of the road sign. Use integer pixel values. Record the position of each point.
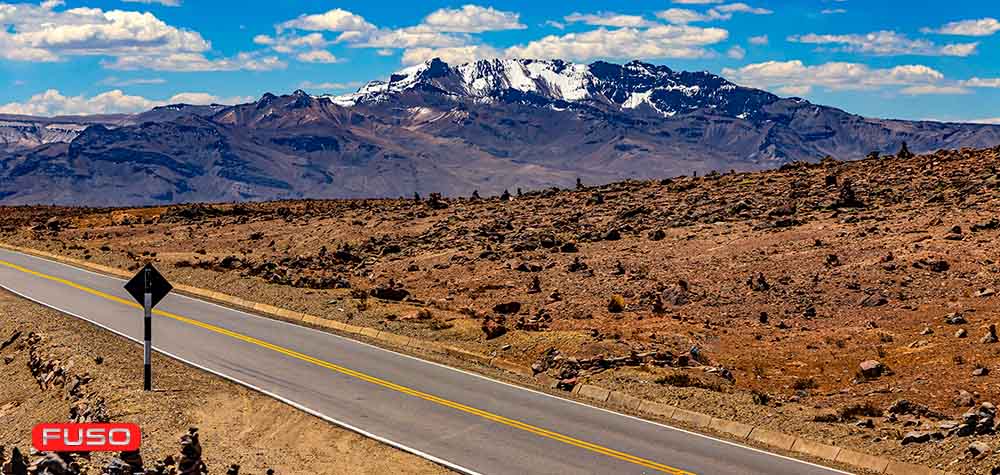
(148, 287)
(148, 280)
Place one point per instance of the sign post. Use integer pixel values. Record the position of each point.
(148, 287)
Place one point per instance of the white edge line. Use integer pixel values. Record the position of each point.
(358, 430)
(469, 373)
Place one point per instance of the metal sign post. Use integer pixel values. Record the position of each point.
(148, 287)
(147, 341)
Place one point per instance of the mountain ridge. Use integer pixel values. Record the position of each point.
(488, 126)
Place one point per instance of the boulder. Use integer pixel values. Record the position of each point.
(871, 369)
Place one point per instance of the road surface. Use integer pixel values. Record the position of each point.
(469, 423)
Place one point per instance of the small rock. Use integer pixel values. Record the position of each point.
(978, 448)
(961, 333)
(872, 369)
(507, 308)
(873, 300)
(991, 334)
(954, 319)
(916, 438)
(964, 399)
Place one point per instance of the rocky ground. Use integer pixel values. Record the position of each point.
(851, 302)
(56, 368)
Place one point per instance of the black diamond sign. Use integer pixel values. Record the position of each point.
(148, 280)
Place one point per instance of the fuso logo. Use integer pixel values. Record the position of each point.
(86, 437)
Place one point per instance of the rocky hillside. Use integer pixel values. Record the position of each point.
(850, 302)
(488, 126)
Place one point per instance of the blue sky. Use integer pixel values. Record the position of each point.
(902, 59)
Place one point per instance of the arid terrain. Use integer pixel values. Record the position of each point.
(850, 302)
(57, 368)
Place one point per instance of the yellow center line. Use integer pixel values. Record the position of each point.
(371, 379)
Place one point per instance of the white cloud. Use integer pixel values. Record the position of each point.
(555, 24)
(331, 86)
(448, 34)
(932, 89)
(187, 62)
(92, 31)
(117, 82)
(166, 3)
(796, 91)
(473, 19)
(290, 43)
(982, 82)
(798, 77)
(736, 52)
(52, 102)
(833, 11)
(334, 20)
(451, 55)
(682, 16)
(981, 27)
(759, 40)
(317, 56)
(664, 41)
(39, 33)
(886, 43)
(610, 19)
(409, 37)
(991, 120)
(741, 8)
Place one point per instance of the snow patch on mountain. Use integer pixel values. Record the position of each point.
(628, 87)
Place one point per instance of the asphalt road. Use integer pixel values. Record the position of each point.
(467, 422)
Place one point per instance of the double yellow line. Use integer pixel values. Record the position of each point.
(371, 379)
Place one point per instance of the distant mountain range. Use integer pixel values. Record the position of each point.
(488, 126)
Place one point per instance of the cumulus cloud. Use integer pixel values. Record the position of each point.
(117, 82)
(331, 86)
(736, 52)
(796, 76)
(289, 43)
(166, 3)
(450, 35)
(886, 43)
(473, 19)
(981, 27)
(188, 62)
(409, 37)
(682, 16)
(833, 11)
(452, 55)
(664, 41)
(610, 19)
(337, 19)
(317, 56)
(933, 89)
(52, 102)
(759, 40)
(355, 31)
(982, 82)
(40, 33)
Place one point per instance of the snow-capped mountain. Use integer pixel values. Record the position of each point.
(487, 126)
(634, 86)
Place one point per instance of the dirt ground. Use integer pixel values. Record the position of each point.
(236, 426)
(754, 296)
